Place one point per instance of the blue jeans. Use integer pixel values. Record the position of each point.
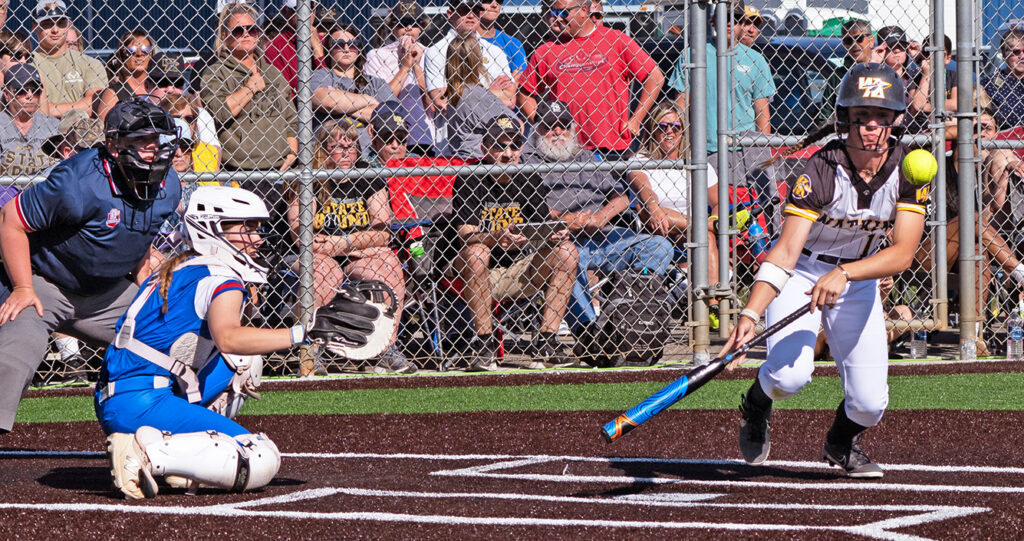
(616, 250)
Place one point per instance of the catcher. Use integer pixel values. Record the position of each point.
(182, 364)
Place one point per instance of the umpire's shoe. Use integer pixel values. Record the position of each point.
(755, 434)
(129, 467)
(851, 458)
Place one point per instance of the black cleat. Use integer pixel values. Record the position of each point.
(755, 433)
(852, 459)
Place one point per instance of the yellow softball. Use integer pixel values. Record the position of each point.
(920, 167)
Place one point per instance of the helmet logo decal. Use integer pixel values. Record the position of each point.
(802, 188)
(873, 87)
(113, 218)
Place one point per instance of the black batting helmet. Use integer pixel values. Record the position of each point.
(869, 85)
(136, 118)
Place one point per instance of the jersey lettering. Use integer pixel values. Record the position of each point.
(341, 215)
(495, 217)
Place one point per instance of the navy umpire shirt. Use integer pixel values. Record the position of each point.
(84, 233)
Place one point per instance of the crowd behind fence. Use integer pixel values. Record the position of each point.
(574, 183)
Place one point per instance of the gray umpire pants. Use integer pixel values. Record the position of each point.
(23, 340)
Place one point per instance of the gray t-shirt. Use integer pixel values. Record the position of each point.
(575, 192)
(22, 154)
(468, 119)
(375, 87)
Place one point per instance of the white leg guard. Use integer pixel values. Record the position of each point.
(248, 375)
(211, 458)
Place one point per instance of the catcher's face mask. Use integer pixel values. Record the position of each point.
(870, 128)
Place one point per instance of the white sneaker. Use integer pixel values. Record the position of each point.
(130, 467)
(563, 329)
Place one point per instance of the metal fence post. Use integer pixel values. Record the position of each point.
(722, 43)
(304, 50)
(965, 60)
(699, 180)
(939, 281)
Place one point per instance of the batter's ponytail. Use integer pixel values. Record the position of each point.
(818, 134)
(165, 272)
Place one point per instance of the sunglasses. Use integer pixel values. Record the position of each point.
(1014, 52)
(407, 22)
(243, 29)
(564, 13)
(674, 126)
(133, 49)
(20, 56)
(850, 40)
(514, 145)
(464, 10)
(187, 118)
(355, 44)
(50, 23)
(29, 91)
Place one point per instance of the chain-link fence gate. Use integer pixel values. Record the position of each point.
(527, 177)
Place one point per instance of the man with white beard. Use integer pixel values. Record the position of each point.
(592, 203)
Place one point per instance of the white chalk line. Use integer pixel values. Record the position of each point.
(876, 530)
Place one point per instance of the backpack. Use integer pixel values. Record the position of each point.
(635, 319)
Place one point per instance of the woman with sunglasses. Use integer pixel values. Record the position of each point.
(470, 105)
(342, 90)
(400, 62)
(351, 222)
(664, 194)
(249, 98)
(1006, 87)
(130, 67)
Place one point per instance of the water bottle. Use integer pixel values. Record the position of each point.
(919, 344)
(1014, 336)
(757, 242)
(416, 250)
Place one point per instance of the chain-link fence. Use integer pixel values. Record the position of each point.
(528, 178)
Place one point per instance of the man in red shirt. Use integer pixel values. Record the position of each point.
(281, 50)
(590, 68)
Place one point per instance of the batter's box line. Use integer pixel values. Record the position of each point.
(874, 530)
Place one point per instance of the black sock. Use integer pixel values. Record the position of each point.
(547, 336)
(843, 429)
(757, 398)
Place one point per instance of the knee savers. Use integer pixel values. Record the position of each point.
(210, 458)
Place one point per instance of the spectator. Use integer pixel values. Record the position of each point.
(925, 61)
(131, 72)
(14, 47)
(70, 78)
(895, 47)
(400, 63)
(752, 90)
(471, 107)
(589, 202)
(463, 15)
(596, 88)
(859, 43)
(597, 13)
(4, 6)
(388, 134)
(1006, 87)
(182, 108)
(182, 160)
(75, 133)
(494, 262)
(664, 194)
(281, 51)
(512, 47)
(23, 129)
(342, 90)
(168, 74)
(750, 25)
(75, 40)
(249, 98)
(351, 224)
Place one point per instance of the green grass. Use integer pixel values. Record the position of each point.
(997, 391)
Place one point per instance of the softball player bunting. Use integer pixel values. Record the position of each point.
(850, 196)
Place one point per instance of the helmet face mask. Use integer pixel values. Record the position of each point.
(211, 210)
(128, 125)
(862, 120)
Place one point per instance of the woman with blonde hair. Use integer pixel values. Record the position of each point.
(351, 229)
(130, 67)
(470, 105)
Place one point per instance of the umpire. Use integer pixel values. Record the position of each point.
(72, 244)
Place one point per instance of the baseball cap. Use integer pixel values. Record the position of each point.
(77, 129)
(289, 4)
(753, 14)
(502, 127)
(463, 7)
(551, 113)
(19, 76)
(184, 134)
(737, 8)
(389, 118)
(406, 9)
(50, 9)
(893, 35)
(168, 70)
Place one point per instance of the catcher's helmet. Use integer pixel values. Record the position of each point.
(869, 85)
(139, 118)
(209, 208)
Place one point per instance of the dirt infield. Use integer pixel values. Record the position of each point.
(507, 475)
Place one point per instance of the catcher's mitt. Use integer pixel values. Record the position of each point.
(359, 321)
